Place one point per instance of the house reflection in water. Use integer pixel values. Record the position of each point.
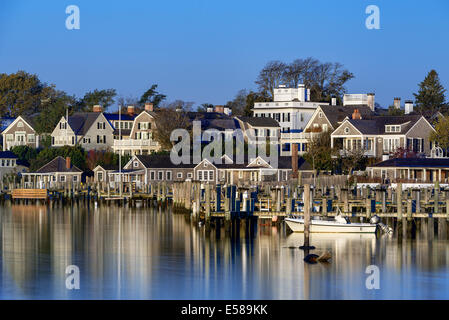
(153, 254)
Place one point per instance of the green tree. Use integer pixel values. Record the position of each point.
(22, 93)
(25, 153)
(441, 133)
(53, 109)
(152, 96)
(319, 151)
(77, 155)
(105, 98)
(430, 96)
(393, 111)
(251, 99)
(238, 104)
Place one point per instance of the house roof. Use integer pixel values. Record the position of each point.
(259, 121)
(414, 162)
(213, 120)
(161, 161)
(336, 114)
(376, 125)
(58, 164)
(115, 117)
(109, 167)
(7, 155)
(80, 122)
(284, 162)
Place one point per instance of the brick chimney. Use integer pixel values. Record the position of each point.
(397, 103)
(97, 108)
(356, 115)
(295, 160)
(67, 163)
(149, 107)
(131, 110)
(219, 109)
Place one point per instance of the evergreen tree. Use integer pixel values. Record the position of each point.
(430, 96)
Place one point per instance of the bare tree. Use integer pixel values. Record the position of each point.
(271, 76)
(167, 120)
(178, 105)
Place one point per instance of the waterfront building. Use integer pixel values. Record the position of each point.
(325, 118)
(101, 172)
(252, 171)
(380, 136)
(19, 132)
(137, 139)
(144, 169)
(90, 130)
(59, 172)
(10, 164)
(411, 169)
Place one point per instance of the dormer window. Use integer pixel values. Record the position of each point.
(392, 128)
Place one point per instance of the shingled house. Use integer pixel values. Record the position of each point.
(10, 164)
(19, 132)
(382, 135)
(143, 169)
(58, 172)
(91, 130)
(325, 118)
(411, 169)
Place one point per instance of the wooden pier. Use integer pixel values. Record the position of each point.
(208, 202)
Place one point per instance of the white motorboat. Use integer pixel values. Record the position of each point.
(339, 225)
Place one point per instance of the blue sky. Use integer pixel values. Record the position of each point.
(206, 50)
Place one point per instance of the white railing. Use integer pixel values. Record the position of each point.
(368, 153)
(11, 144)
(299, 135)
(135, 143)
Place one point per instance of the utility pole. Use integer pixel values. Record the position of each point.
(120, 151)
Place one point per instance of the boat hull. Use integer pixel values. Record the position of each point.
(317, 226)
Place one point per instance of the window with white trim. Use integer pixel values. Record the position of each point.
(168, 175)
(179, 175)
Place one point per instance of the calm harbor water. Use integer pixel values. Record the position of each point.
(153, 254)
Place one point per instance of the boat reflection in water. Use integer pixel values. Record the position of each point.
(143, 253)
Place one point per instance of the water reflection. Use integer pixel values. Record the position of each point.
(144, 253)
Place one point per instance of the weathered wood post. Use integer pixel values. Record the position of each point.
(436, 198)
(399, 200)
(306, 216)
(447, 204)
(207, 205)
(344, 194)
